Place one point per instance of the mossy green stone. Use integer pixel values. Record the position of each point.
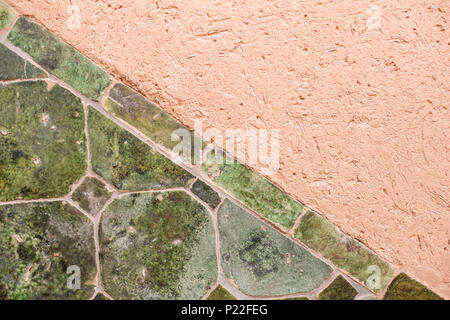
(260, 260)
(405, 288)
(13, 67)
(206, 193)
(128, 163)
(6, 15)
(91, 195)
(148, 118)
(255, 191)
(38, 243)
(59, 58)
(339, 289)
(32, 71)
(320, 235)
(220, 293)
(157, 246)
(42, 145)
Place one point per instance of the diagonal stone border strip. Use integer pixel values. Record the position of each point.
(59, 58)
(89, 83)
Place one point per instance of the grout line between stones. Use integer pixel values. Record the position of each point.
(4, 203)
(95, 220)
(297, 221)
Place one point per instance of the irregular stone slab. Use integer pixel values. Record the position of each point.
(206, 193)
(32, 71)
(157, 246)
(128, 163)
(405, 288)
(220, 293)
(6, 15)
(152, 121)
(146, 116)
(42, 142)
(297, 298)
(348, 254)
(59, 58)
(339, 289)
(39, 242)
(13, 67)
(91, 195)
(260, 260)
(255, 191)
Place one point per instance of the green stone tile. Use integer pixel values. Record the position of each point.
(6, 15)
(128, 163)
(297, 298)
(100, 296)
(157, 246)
(348, 254)
(42, 142)
(91, 195)
(59, 58)
(38, 243)
(339, 289)
(13, 67)
(220, 293)
(147, 117)
(405, 288)
(260, 260)
(255, 191)
(33, 71)
(206, 193)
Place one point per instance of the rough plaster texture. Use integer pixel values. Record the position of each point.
(363, 112)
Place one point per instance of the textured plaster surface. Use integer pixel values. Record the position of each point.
(363, 113)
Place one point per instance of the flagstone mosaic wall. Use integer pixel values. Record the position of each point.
(86, 180)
